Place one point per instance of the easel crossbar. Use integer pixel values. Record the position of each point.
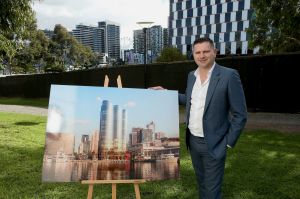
(113, 181)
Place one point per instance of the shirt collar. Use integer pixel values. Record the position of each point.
(196, 73)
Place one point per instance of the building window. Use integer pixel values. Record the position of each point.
(237, 36)
(188, 22)
(227, 17)
(187, 40)
(198, 21)
(241, 5)
(230, 7)
(219, 8)
(216, 37)
(180, 14)
(190, 31)
(208, 28)
(178, 6)
(238, 48)
(226, 36)
(238, 15)
(207, 2)
(207, 19)
(227, 48)
(190, 13)
(179, 31)
(240, 26)
(218, 28)
(178, 40)
(229, 27)
(209, 10)
(198, 30)
(217, 18)
(188, 4)
(250, 13)
(178, 23)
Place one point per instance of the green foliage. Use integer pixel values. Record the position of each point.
(15, 17)
(170, 54)
(264, 164)
(275, 26)
(23, 48)
(65, 50)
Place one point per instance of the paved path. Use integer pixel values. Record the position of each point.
(23, 109)
(283, 122)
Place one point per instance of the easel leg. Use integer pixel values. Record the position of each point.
(114, 191)
(90, 193)
(137, 191)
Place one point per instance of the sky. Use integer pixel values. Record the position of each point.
(76, 109)
(127, 13)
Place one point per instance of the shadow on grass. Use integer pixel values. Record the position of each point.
(263, 165)
(26, 123)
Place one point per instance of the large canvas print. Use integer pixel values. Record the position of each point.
(97, 133)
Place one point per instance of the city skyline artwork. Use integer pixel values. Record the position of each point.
(97, 133)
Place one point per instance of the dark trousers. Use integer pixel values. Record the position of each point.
(209, 171)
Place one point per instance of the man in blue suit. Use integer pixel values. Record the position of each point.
(216, 114)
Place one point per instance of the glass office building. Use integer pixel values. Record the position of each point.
(224, 21)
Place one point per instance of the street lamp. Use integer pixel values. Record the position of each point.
(145, 25)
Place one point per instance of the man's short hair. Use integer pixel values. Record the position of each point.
(202, 40)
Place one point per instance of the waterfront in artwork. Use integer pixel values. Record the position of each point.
(96, 133)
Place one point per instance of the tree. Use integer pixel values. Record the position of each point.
(275, 26)
(65, 50)
(15, 15)
(31, 57)
(170, 54)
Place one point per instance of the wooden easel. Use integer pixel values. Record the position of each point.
(114, 183)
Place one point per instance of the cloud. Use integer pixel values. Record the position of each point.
(69, 13)
(82, 122)
(130, 104)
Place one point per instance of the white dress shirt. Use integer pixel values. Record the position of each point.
(197, 103)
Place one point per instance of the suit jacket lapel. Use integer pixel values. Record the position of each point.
(214, 79)
(191, 83)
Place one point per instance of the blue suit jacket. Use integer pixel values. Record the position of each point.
(225, 111)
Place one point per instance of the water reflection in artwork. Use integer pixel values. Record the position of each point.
(103, 170)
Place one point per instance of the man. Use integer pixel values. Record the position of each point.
(216, 114)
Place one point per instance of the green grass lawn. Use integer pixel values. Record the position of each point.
(264, 165)
(40, 102)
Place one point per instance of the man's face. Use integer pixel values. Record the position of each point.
(204, 54)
